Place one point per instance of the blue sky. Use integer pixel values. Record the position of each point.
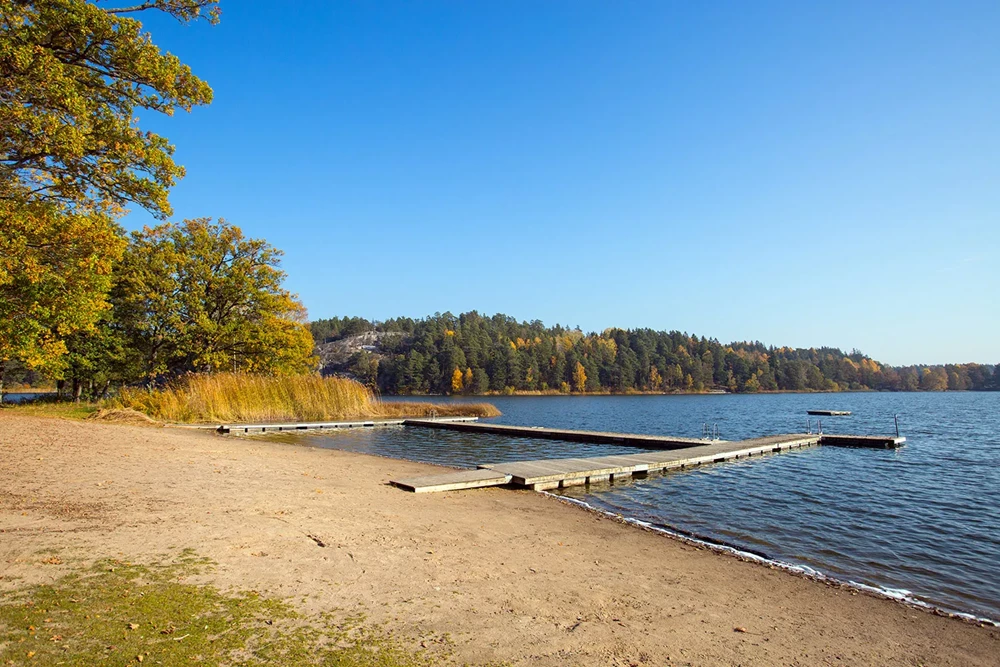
(797, 173)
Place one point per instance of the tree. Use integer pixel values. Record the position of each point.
(480, 381)
(72, 77)
(579, 378)
(456, 381)
(467, 380)
(935, 379)
(72, 156)
(55, 271)
(655, 381)
(198, 296)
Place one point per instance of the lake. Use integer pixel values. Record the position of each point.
(921, 523)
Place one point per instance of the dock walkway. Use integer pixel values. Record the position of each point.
(601, 437)
(250, 429)
(666, 455)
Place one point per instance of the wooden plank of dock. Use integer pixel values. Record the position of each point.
(553, 473)
(570, 435)
(546, 474)
(453, 481)
(872, 441)
(247, 429)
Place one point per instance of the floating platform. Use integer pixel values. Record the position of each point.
(248, 429)
(829, 413)
(546, 474)
(569, 435)
(869, 441)
(454, 481)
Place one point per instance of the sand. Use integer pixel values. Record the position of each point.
(506, 575)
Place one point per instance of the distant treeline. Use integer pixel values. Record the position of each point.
(475, 354)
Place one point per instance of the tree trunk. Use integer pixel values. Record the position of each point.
(77, 390)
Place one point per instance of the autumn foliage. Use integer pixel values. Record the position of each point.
(502, 355)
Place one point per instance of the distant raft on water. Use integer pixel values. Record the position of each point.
(829, 413)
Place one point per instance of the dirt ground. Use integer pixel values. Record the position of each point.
(504, 575)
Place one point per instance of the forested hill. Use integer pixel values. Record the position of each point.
(474, 354)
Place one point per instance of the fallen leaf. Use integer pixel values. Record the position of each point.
(739, 629)
(133, 626)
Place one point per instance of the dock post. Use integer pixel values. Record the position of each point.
(895, 418)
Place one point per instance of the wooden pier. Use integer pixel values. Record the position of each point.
(569, 435)
(829, 413)
(251, 429)
(668, 453)
(662, 453)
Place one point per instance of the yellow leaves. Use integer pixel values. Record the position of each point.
(457, 380)
(655, 379)
(579, 378)
(609, 345)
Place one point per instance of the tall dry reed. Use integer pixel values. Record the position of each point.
(237, 397)
(399, 409)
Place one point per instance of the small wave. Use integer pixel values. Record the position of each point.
(897, 594)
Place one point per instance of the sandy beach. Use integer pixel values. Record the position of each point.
(507, 576)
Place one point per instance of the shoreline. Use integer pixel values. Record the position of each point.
(510, 576)
(905, 598)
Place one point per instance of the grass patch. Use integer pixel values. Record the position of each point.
(235, 397)
(50, 408)
(118, 613)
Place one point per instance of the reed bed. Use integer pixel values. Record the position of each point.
(238, 397)
(399, 409)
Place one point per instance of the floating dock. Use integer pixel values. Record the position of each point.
(251, 429)
(542, 475)
(829, 413)
(569, 435)
(663, 453)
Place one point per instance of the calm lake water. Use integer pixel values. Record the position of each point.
(20, 397)
(921, 522)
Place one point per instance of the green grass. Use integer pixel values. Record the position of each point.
(51, 408)
(117, 613)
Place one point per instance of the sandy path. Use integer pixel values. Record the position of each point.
(512, 576)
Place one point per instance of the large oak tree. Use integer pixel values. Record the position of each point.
(73, 76)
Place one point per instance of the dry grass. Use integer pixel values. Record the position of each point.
(123, 416)
(237, 397)
(418, 409)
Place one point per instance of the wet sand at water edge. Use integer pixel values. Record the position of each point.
(509, 576)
